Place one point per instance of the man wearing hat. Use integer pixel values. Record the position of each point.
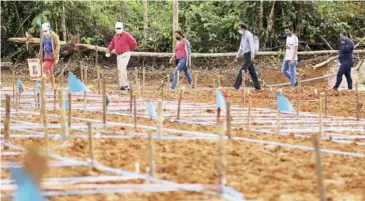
(50, 48)
(123, 43)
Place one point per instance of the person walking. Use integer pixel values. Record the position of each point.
(49, 50)
(123, 43)
(346, 58)
(248, 49)
(182, 58)
(290, 63)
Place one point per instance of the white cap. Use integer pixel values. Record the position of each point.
(118, 25)
(46, 26)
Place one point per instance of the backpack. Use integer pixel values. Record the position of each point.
(256, 40)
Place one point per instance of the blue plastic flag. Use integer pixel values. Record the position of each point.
(20, 86)
(283, 104)
(27, 189)
(67, 105)
(107, 100)
(37, 87)
(75, 85)
(220, 100)
(39, 20)
(151, 110)
(129, 88)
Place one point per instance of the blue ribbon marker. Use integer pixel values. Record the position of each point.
(75, 85)
(27, 189)
(20, 86)
(151, 110)
(283, 104)
(220, 100)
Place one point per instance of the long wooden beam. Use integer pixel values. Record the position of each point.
(166, 54)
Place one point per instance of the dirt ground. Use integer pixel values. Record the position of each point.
(259, 172)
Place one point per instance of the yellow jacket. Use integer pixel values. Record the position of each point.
(56, 46)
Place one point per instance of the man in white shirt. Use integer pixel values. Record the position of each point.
(291, 56)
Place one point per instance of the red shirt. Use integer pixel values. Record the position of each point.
(181, 49)
(122, 43)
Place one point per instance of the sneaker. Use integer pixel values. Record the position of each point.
(335, 88)
(296, 83)
(124, 88)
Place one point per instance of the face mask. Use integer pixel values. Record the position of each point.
(178, 38)
(119, 31)
(241, 31)
(47, 33)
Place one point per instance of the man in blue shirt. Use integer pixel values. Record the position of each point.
(346, 58)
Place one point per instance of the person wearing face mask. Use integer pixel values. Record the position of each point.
(346, 58)
(123, 43)
(49, 50)
(182, 58)
(248, 49)
(291, 56)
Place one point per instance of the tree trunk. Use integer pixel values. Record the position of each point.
(270, 24)
(175, 21)
(260, 26)
(122, 14)
(63, 22)
(145, 19)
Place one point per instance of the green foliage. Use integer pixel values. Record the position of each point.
(211, 26)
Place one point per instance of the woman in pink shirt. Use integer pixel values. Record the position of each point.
(182, 57)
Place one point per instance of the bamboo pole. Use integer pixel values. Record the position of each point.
(98, 73)
(159, 118)
(135, 112)
(69, 108)
(221, 156)
(44, 110)
(7, 121)
(319, 170)
(104, 101)
(358, 106)
(91, 143)
(151, 160)
(228, 119)
(61, 103)
(179, 104)
(249, 111)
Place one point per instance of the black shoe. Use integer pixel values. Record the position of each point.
(124, 88)
(335, 88)
(296, 83)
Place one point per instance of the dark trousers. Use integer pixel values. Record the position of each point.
(345, 69)
(247, 65)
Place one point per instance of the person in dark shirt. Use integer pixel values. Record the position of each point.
(346, 58)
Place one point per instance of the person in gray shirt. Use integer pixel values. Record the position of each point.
(247, 49)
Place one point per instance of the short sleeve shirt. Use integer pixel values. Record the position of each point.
(291, 42)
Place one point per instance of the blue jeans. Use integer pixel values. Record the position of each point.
(289, 71)
(181, 66)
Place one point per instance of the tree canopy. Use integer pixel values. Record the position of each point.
(211, 26)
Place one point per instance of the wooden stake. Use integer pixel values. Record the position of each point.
(135, 112)
(38, 101)
(69, 108)
(196, 79)
(91, 143)
(270, 91)
(228, 118)
(179, 104)
(81, 72)
(358, 106)
(243, 79)
(144, 80)
(61, 103)
(221, 156)
(159, 118)
(130, 99)
(168, 80)
(320, 178)
(13, 83)
(54, 98)
(44, 110)
(249, 112)
(162, 86)
(98, 73)
(278, 122)
(104, 101)
(35, 97)
(218, 114)
(298, 100)
(178, 82)
(325, 103)
(320, 114)
(85, 100)
(219, 80)
(7, 121)
(244, 97)
(151, 160)
(17, 101)
(85, 74)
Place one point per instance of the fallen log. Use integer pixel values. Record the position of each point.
(166, 54)
(324, 62)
